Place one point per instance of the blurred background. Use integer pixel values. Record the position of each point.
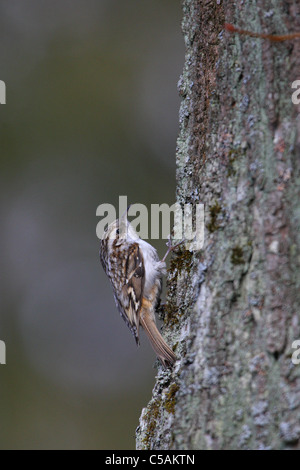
(91, 114)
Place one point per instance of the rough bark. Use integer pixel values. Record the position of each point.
(233, 308)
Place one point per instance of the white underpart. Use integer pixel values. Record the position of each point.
(154, 268)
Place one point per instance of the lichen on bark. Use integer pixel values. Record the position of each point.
(237, 301)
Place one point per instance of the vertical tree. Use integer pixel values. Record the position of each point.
(233, 308)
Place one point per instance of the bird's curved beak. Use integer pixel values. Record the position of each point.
(125, 213)
(123, 223)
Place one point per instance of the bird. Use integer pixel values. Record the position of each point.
(135, 272)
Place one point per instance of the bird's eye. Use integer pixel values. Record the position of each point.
(117, 231)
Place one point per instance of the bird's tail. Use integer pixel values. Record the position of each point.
(162, 350)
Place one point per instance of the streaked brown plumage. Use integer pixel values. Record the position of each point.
(135, 271)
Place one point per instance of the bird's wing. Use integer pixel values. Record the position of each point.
(132, 290)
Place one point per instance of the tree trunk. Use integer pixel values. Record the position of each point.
(233, 308)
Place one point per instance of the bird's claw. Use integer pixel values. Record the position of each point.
(171, 247)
